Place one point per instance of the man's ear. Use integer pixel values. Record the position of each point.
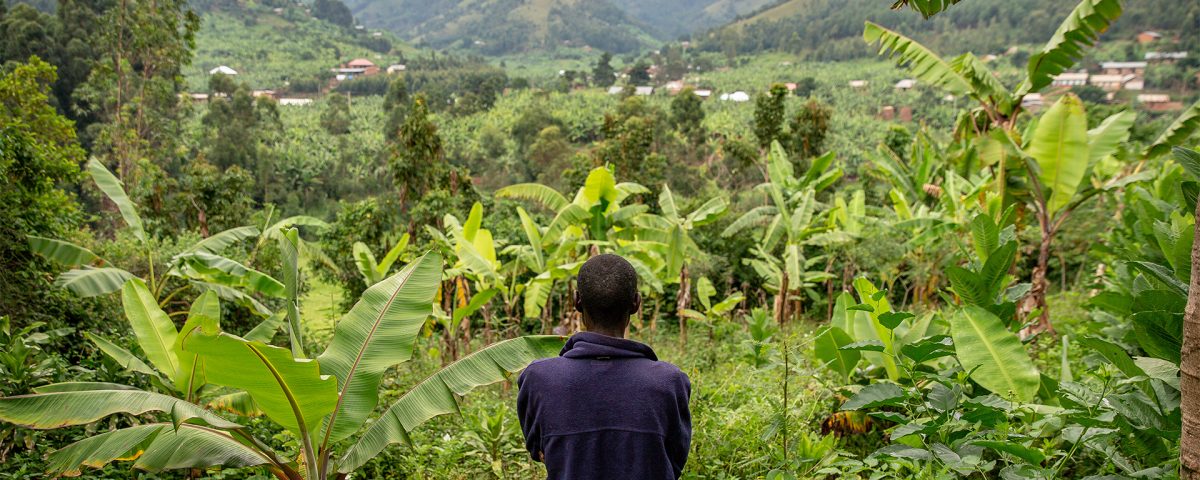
(637, 303)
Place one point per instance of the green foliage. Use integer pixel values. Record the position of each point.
(769, 115)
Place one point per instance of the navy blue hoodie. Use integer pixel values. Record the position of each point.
(606, 408)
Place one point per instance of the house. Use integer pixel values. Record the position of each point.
(905, 85)
(738, 96)
(1165, 57)
(1158, 102)
(906, 114)
(295, 102)
(1032, 102)
(1112, 83)
(396, 68)
(858, 84)
(674, 86)
(703, 93)
(223, 70)
(369, 67)
(791, 86)
(263, 93)
(198, 97)
(887, 112)
(643, 91)
(1148, 37)
(1123, 68)
(615, 90)
(1070, 79)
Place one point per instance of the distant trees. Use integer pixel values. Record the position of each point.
(603, 74)
(416, 156)
(639, 74)
(333, 11)
(808, 129)
(769, 115)
(336, 117)
(687, 114)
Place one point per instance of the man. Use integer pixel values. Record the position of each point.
(606, 408)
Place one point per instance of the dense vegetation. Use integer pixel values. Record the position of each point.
(233, 287)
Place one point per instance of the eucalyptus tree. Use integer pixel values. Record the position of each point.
(320, 403)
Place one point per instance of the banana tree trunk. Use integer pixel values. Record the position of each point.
(781, 303)
(682, 301)
(546, 309)
(1036, 299)
(1189, 367)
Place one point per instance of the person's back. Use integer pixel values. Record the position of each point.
(606, 408)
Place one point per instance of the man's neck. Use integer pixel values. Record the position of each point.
(608, 332)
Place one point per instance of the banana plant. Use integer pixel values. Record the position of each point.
(374, 271)
(200, 266)
(319, 403)
(547, 263)
(791, 222)
(713, 313)
(671, 232)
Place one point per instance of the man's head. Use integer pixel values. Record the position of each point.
(606, 293)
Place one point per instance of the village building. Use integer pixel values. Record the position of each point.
(1158, 102)
(1165, 57)
(1123, 68)
(738, 96)
(1113, 83)
(643, 91)
(615, 90)
(905, 85)
(1032, 102)
(223, 70)
(1070, 79)
(396, 68)
(264, 93)
(359, 67)
(858, 84)
(703, 93)
(674, 86)
(1148, 37)
(295, 102)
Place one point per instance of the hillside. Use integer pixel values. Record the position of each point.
(669, 19)
(832, 29)
(506, 26)
(270, 47)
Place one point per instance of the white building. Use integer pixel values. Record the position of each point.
(1070, 79)
(223, 70)
(906, 84)
(643, 91)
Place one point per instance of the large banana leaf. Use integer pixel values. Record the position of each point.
(1177, 133)
(290, 391)
(155, 447)
(600, 186)
(438, 394)
(92, 282)
(265, 330)
(205, 315)
(1060, 147)
(46, 411)
(922, 62)
(64, 253)
(154, 330)
(376, 334)
(289, 251)
(536, 192)
(870, 295)
(215, 243)
(1106, 138)
(237, 403)
(112, 188)
(827, 346)
(534, 236)
(120, 355)
(225, 271)
(364, 260)
(993, 354)
(1079, 30)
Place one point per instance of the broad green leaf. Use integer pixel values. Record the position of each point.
(86, 386)
(1106, 138)
(929, 348)
(1060, 148)
(534, 236)
(113, 189)
(1160, 334)
(536, 192)
(993, 354)
(985, 234)
(473, 223)
(666, 201)
(598, 187)
(827, 349)
(438, 394)
(779, 167)
(62, 252)
(385, 265)
(376, 334)
(705, 292)
(1189, 159)
(364, 260)
(205, 315)
(1080, 29)
(225, 271)
(289, 252)
(237, 403)
(927, 66)
(47, 411)
(876, 395)
(91, 282)
(708, 212)
(1114, 354)
(1177, 134)
(290, 391)
(120, 355)
(265, 330)
(1031, 455)
(155, 447)
(217, 243)
(154, 330)
(478, 300)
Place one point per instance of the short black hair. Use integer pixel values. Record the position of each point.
(607, 286)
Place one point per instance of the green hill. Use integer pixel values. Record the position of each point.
(832, 29)
(673, 18)
(271, 47)
(506, 26)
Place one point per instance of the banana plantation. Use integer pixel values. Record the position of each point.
(1014, 294)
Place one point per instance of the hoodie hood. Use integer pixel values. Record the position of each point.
(601, 347)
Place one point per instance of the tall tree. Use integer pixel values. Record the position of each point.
(687, 113)
(416, 156)
(809, 128)
(336, 117)
(1189, 366)
(603, 74)
(768, 115)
